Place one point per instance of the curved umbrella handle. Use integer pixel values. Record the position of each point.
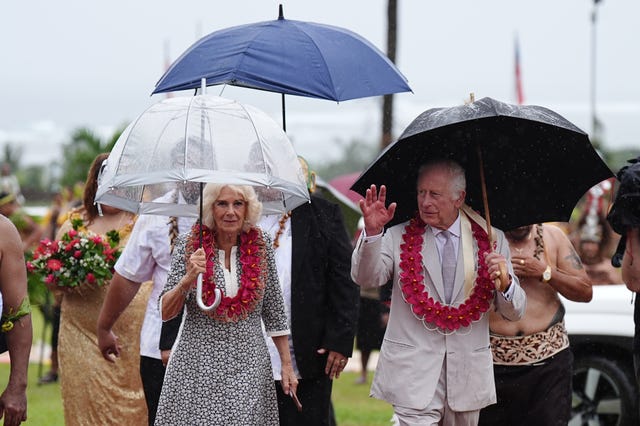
(201, 304)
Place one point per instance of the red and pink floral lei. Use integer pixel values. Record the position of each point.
(423, 306)
(252, 279)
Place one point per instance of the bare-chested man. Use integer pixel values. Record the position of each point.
(16, 323)
(532, 360)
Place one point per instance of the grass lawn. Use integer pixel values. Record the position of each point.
(352, 404)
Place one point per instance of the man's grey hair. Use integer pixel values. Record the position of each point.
(458, 182)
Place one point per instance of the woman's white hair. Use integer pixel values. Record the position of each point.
(210, 194)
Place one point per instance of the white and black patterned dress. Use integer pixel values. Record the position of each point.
(220, 373)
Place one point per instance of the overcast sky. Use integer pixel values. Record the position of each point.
(71, 63)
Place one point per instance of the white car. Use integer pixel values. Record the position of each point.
(601, 334)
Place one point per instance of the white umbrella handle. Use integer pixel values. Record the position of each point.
(217, 293)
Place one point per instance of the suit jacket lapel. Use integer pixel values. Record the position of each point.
(431, 262)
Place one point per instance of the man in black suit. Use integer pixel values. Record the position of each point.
(313, 252)
(322, 304)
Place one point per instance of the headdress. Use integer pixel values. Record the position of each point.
(592, 228)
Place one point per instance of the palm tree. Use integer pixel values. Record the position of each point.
(80, 151)
(12, 154)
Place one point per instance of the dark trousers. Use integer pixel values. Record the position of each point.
(152, 374)
(315, 397)
(636, 366)
(538, 394)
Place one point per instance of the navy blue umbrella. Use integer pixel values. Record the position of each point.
(288, 57)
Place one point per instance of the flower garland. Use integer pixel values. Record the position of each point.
(252, 278)
(424, 307)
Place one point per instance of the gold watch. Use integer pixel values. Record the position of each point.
(546, 275)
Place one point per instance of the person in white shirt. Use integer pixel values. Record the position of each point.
(147, 256)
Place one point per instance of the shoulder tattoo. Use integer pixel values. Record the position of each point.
(574, 259)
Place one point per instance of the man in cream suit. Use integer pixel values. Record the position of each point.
(436, 368)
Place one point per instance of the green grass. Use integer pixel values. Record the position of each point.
(44, 407)
(352, 404)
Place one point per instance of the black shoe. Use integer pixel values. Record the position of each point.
(50, 377)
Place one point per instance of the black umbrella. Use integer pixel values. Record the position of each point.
(535, 163)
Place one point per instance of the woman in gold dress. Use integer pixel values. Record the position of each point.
(95, 392)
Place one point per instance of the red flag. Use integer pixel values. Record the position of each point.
(519, 92)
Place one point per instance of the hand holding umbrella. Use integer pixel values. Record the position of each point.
(498, 271)
(196, 266)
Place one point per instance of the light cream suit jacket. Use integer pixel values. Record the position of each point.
(411, 357)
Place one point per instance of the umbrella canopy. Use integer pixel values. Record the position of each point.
(288, 57)
(537, 164)
(185, 140)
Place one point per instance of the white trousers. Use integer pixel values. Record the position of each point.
(438, 412)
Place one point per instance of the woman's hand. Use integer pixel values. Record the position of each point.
(196, 265)
(289, 380)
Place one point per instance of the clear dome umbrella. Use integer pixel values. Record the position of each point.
(165, 156)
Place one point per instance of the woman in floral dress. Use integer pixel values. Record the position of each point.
(219, 371)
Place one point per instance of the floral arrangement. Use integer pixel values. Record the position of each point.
(445, 317)
(79, 257)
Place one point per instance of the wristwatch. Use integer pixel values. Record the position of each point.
(546, 275)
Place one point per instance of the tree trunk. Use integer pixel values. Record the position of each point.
(387, 104)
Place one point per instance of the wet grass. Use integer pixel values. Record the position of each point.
(351, 401)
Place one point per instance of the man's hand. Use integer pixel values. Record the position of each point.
(108, 344)
(374, 211)
(498, 271)
(13, 406)
(336, 362)
(164, 356)
(528, 266)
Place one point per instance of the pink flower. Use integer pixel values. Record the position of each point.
(445, 317)
(54, 264)
(77, 254)
(91, 278)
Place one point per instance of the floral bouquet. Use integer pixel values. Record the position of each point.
(79, 257)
